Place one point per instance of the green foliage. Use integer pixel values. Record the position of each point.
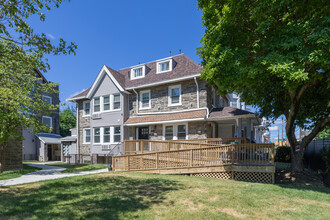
(325, 134)
(67, 121)
(283, 154)
(325, 153)
(22, 54)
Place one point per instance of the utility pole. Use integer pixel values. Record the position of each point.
(278, 135)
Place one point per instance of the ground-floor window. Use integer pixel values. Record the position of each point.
(175, 132)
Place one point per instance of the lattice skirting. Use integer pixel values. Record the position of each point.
(243, 176)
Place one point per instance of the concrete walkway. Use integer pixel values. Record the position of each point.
(47, 173)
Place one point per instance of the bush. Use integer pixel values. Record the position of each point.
(283, 154)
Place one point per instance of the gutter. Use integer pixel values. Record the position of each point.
(137, 102)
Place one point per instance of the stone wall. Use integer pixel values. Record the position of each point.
(156, 132)
(198, 130)
(13, 155)
(83, 122)
(159, 97)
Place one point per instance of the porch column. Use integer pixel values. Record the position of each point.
(248, 130)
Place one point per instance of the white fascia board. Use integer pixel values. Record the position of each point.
(164, 82)
(98, 80)
(165, 122)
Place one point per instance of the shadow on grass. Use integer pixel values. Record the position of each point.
(109, 197)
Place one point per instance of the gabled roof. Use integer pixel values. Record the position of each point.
(183, 66)
(169, 117)
(49, 138)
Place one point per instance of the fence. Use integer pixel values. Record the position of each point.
(145, 146)
(245, 154)
(312, 157)
(87, 158)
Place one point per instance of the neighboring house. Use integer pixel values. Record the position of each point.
(160, 100)
(44, 146)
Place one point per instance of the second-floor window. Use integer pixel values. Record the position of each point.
(47, 121)
(87, 107)
(97, 104)
(145, 99)
(116, 101)
(47, 99)
(174, 95)
(106, 103)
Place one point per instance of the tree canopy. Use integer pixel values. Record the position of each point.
(22, 55)
(276, 55)
(67, 121)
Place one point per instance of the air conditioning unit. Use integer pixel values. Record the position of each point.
(96, 116)
(106, 147)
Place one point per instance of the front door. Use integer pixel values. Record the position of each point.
(143, 133)
(49, 152)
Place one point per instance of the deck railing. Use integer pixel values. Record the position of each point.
(145, 146)
(217, 155)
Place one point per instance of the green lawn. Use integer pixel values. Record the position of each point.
(150, 196)
(71, 168)
(17, 173)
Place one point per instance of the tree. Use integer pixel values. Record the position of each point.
(67, 121)
(22, 55)
(274, 53)
(325, 134)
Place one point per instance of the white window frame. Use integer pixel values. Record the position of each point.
(170, 95)
(100, 135)
(103, 128)
(102, 103)
(113, 102)
(84, 136)
(101, 100)
(51, 120)
(138, 67)
(50, 98)
(141, 99)
(164, 61)
(175, 130)
(85, 102)
(112, 131)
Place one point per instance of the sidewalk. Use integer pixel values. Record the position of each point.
(47, 173)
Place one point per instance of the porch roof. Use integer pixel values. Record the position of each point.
(49, 138)
(167, 118)
(229, 112)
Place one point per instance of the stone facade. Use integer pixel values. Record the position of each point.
(159, 97)
(156, 132)
(198, 130)
(13, 155)
(83, 122)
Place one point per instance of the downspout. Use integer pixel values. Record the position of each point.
(197, 91)
(77, 124)
(137, 102)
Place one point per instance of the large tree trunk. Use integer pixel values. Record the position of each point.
(297, 164)
(3, 156)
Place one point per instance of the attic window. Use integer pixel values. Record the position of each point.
(138, 72)
(164, 66)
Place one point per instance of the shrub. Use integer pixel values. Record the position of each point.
(283, 154)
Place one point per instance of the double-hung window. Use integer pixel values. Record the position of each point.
(174, 95)
(47, 121)
(169, 132)
(116, 134)
(145, 101)
(97, 135)
(87, 135)
(47, 99)
(97, 104)
(116, 101)
(86, 108)
(106, 135)
(175, 132)
(138, 72)
(181, 132)
(106, 103)
(164, 66)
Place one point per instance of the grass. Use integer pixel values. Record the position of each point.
(17, 173)
(71, 168)
(116, 195)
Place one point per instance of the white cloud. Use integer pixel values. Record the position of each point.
(273, 128)
(51, 36)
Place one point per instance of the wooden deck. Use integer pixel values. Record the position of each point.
(251, 162)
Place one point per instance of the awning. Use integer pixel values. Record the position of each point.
(186, 116)
(69, 138)
(48, 138)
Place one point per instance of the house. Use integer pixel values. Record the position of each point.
(160, 100)
(44, 146)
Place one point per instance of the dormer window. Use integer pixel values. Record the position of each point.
(164, 66)
(138, 72)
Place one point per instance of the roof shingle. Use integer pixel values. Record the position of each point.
(228, 112)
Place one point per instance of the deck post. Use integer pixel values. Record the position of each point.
(141, 146)
(127, 162)
(125, 147)
(191, 157)
(169, 146)
(157, 159)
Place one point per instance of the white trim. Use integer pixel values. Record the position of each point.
(46, 96)
(143, 67)
(175, 130)
(164, 82)
(141, 104)
(51, 120)
(104, 70)
(170, 95)
(84, 135)
(99, 104)
(112, 133)
(176, 111)
(197, 91)
(84, 102)
(165, 122)
(170, 65)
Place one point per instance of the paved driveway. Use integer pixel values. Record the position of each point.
(47, 173)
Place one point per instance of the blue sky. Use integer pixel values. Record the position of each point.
(118, 34)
